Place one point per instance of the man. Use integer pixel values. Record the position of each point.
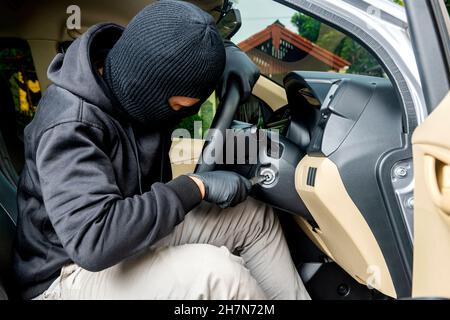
(99, 217)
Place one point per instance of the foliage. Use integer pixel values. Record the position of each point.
(362, 62)
(18, 72)
(400, 2)
(13, 60)
(308, 27)
(205, 116)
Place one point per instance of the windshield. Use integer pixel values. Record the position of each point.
(280, 40)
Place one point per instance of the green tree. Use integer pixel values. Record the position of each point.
(308, 27)
(362, 62)
(400, 2)
(205, 117)
(334, 41)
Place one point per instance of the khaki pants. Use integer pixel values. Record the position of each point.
(236, 253)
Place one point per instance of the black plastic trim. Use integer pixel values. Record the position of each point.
(400, 229)
(427, 39)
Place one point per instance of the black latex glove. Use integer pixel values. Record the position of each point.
(226, 189)
(239, 67)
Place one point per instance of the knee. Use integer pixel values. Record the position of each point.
(216, 262)
(219, 274)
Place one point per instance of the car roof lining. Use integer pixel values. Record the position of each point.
(46, 20)
(43, 23)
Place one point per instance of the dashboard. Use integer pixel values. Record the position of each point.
(331, 169)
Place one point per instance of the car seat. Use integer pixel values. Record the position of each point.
(8, 219)
(8, 192)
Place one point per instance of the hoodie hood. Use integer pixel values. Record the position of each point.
(76, 72)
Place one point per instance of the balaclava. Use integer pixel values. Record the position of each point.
(171, 48)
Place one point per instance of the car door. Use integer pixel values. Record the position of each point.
(380, 26)
(430, 29)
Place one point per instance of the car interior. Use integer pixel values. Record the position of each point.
(329, 176)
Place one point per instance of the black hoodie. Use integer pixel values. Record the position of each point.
(93, 189)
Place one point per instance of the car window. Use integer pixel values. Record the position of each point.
(280, 39)
(20, 93)
(18, 72)
(198, 125)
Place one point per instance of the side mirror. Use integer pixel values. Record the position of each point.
(230, 24)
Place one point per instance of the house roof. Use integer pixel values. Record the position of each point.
(277, 32)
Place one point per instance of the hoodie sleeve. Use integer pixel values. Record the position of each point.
(96, 225)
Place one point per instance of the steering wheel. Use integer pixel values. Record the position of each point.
(222, 121)
(282, 195)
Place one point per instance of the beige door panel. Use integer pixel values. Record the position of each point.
(271, 93)
(344, 234)
(431, 145)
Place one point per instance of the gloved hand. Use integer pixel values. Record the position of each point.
(226, 189)
(239, 67)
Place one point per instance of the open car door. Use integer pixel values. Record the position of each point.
(430, 26)
(431, 271)
(384, 220)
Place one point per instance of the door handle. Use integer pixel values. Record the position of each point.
(438, 182)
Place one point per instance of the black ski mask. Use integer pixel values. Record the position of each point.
(171, 48)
